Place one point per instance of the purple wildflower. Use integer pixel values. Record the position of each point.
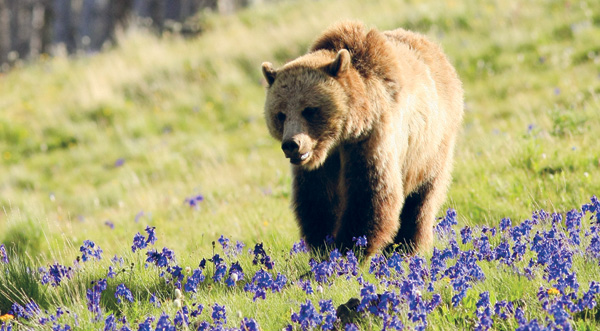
(123, 291)
(360, 241)
(117, 260)
(154, 300)
(368, 296)
(235, 274)
(119, 162)
(139, 242)
(466, 234)
(486, 229)
(151, 235)
(224, 242)
(160, 259)
(93, 297)
(484, 312)
(348, 266)
(278, 283)
(299, 247)
(55, 274)
(593, 248)
(482, 244)
(3, 254)
(111, 272)
(308, 317)
(561, 316)
(260, 283)
(418, 271)
(588, 300)
(219, 315)
(164, 324)
(28, 312)
(329, 314)
(502, 252)
(249, 324)
(322, 270)
(139, 215)
(573, 224)
(146, 325)
(197, 310)
(463, 273)
(89, 250)
(445, 225)
(110, 324)
(194, 200)
(239, 246)
(379, 266)
(261, 256)
(220, 268)
(438, 261)
(394, 262)
(306, 286)
(595, 207)
(503, 308)
(505, 224)
(182, 317)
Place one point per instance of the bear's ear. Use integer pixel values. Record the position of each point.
(340, 64)
(269, 72)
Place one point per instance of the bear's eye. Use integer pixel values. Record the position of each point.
(280, 117)
(310, 112)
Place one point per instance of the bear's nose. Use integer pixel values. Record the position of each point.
(290, 147)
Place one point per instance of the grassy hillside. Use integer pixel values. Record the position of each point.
(124, 137)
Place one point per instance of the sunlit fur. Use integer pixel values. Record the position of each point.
(382, 149)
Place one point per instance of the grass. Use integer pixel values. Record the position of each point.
(185, 118)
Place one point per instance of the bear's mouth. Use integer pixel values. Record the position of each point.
(300, 158)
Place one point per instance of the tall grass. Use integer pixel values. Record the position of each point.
(130, 133)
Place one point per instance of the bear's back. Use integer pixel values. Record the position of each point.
(448, 85)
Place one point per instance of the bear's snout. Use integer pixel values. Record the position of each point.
(293, 150)
(290, 147)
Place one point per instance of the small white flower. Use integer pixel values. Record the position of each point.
(178, 294)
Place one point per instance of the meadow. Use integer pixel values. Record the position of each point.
(124, 174)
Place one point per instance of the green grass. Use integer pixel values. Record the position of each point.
(186, 116)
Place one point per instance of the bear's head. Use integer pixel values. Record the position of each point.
(306, 105)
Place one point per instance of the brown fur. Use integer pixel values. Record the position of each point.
(369, 121)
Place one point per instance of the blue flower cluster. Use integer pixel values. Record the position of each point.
(123, 291)
(263, 281)
(299, 247)
(90, 250)
(93, 297)
(335, 265)
(55, 274)
(194, 201)
(141, 242)
(230, 250)
(261, 257)
(398, 292)
(398, 297)
(3, 254)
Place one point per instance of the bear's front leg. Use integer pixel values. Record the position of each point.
(372, 196)
(315, 201)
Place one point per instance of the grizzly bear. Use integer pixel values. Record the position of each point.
(368, 120)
